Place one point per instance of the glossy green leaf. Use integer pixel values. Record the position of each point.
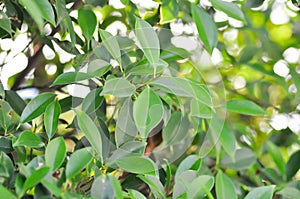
(200, 186)
(231, 9)
(225, 187)
(292, 166)
(148, 40)
(5, 22)
(52, 188)
(228, 141)
(116, 186)
(148, 111)
(111, 44)
(30, 139)
(243, 159)
(51, 117)
(155, 185)
(98, 67)
(91, 131)
(277, 157)
(169, 11)
(55, 153)
(70, 77)
(244, 107)
(87, 21)
(261, 193)
(207, 30)
(78, 161)
(36, 107)
(35, 178)
(15, 101)
(142, 165)
(289, 192)
(118, 87)
(4, 193)
(92, 101)
(5, 115)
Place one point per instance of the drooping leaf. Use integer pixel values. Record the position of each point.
(207, 30)
(5, 22)
(51, 117)
(277, 157)
(78, 161)
(118, 87)
(61, 10)
(70, 77)
(36, 107)
(91, 131)
(231, 9)
(243, 159)
(30, 139)
(87, 21)
(225, 187)
(261, 193)
(169, 11)
(244, 107)
(148, 111)
(292, 166)
(55, 153)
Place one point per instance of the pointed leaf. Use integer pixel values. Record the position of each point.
(231, 9)
(15, 101)
(92, 101)
(35, 177)
(228, 141)
(200, 186)
(4, 193)
(225, 187)
(277, 157)
(27, 138)
(87, 21)
(142, 165)
(155, 185)
(293, 166)
(70, 77)
(55, 153)
(169, 11)
(51, 117)
(118, 87)
(5, 22)
(261, 193)
(244, 107)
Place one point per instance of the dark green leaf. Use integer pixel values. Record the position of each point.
(87, 21)
(231, 9)
(6, 145)
(224, 187)
(244, 107)
(142, 165)
(5, 115)
(70, 77)
(5, 22)
(15, 101)
(253, 3)
(277, 157)
(51, 117)
(293, 165)
(55, 153)
(30, 139)
(118, 87)
(261, 193)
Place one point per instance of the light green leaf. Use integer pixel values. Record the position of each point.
(199, 187)
(98, 67)
(186, 164)
(155, 185)
(148, 111)
(92, 101)
(52, 188)
(4, 193)
(51, 117)
(208, 32)
(289, 193)
(36, 107)
(243, 159)
(78, 161)
(87, 21)
(27, 138)
(55, 153)
(70, 77)
(116, 186)
(231, 9)
(111, 44)
(137, 164)
(228, 141)
(35, 178)
(102, 188)
(118, 87)
(5, 22)
(168, 11)
(91, 131)
(200, 110)
(277, 157)
(33, 9)
(244, 107)
(261, 193)
(224, 187)
(148, 40)
(135, 194)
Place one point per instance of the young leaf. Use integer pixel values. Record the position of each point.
(36, 106)
(5, 22)
(78, 161)
(87, 21)
(118, 87)
(231, 9)
(224, 187)
(148, 40)
(244, 107)
(261, 193)
(55, 153)
(27, 138)
(277, 157)
(91, 131)
(70, 77)
(142, 165)
(4, 193)
(51, 116)
(148, 111)
(208, 32)
(92, 101)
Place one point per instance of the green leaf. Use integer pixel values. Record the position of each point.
(200, 110)
(155, 185)
(30, 139)
(224, 187)
(36, 106)
(135, 194)
(289, 193)
(51, 117)
(61, 10)
(91, 132)
(98, 67)
(118, 87)
(15, 101)
(229, 8)
(243, 159)
(228, 141)
(277, 157)
(102, 188)
(5, 22)
(52, 188)
(200, 186)
(168, 11)
(78, 161)
(148, 40)
(296, 79)
(292, 166)
(35, 178)
(4, 193)
(111, 44)
(70, 77)
(87, 21)
(136, 164)
(148, 111)
(5, 115)
(208, 32)
(253, 3)
(116, 186)
(186, 164)
(261, 193)
(244, 107)
(92, 101)
(55, 153)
